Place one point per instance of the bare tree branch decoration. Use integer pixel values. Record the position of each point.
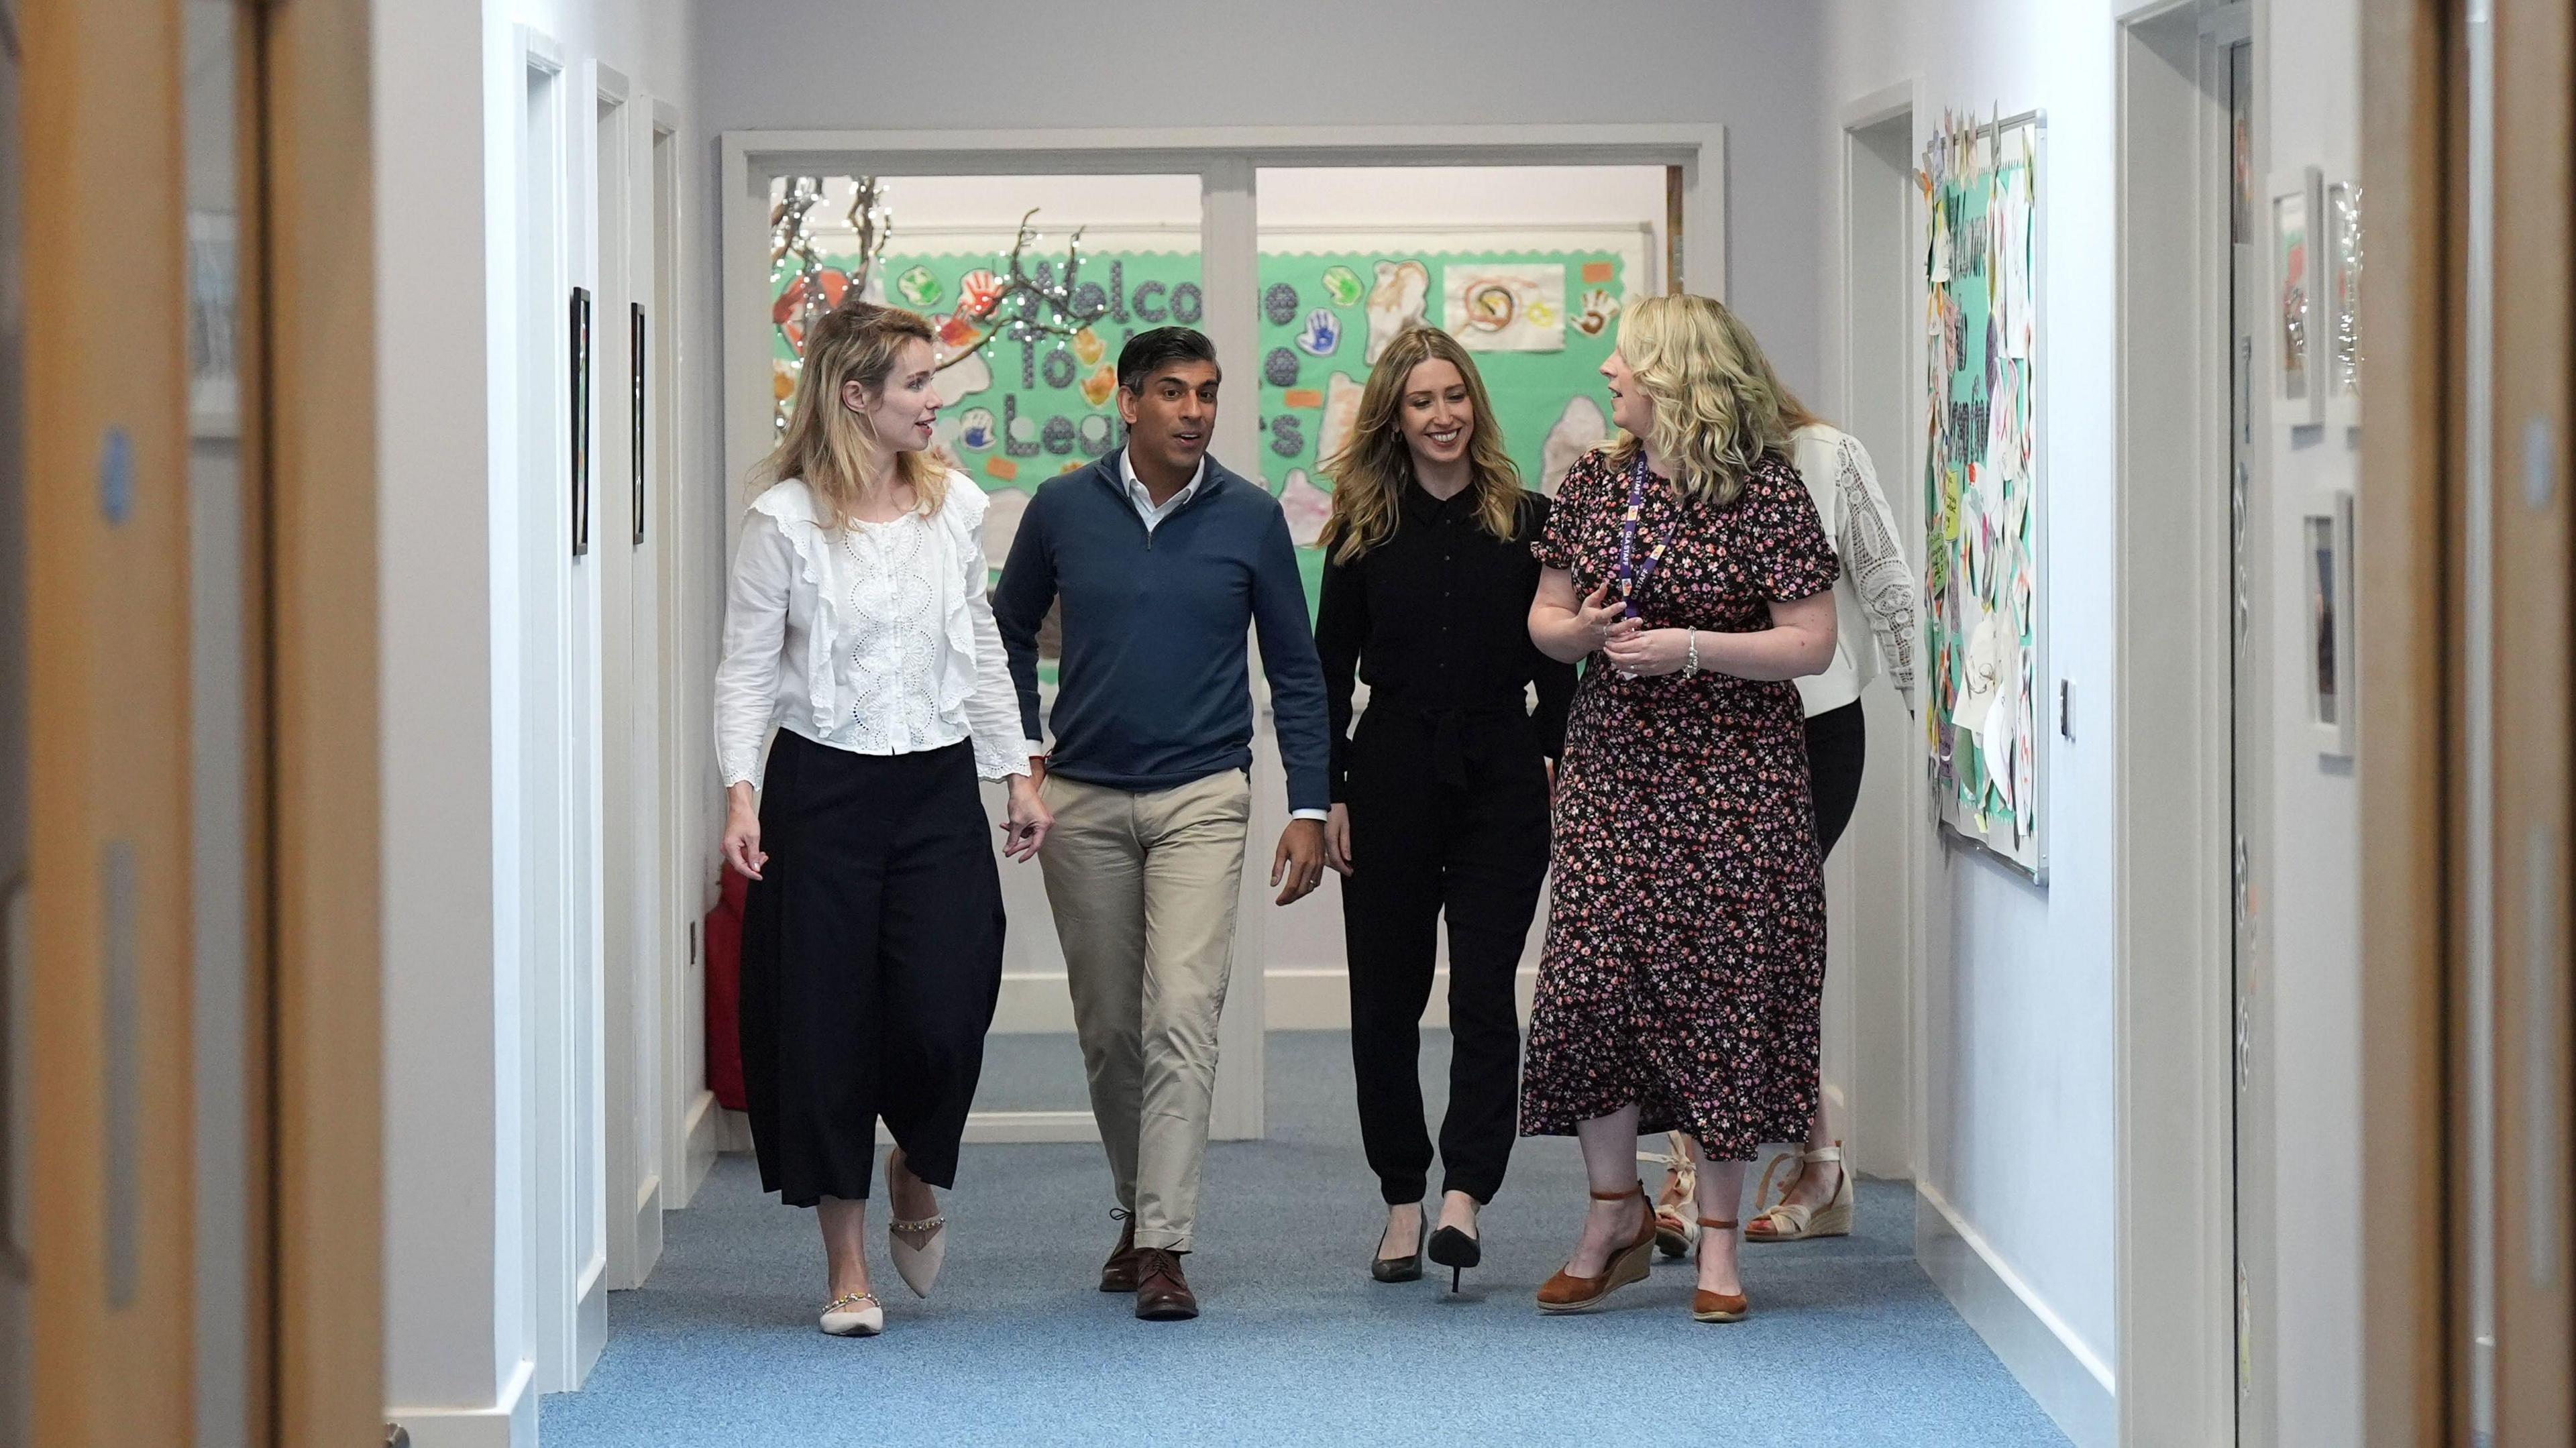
(1046, 305)
(803, 286)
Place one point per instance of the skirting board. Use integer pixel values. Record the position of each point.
(511, 1423)
(2068, 1380)
(703, 1141)
(1299, 998)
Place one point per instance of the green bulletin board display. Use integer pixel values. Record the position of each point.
(1986, 626)
(1019, 413)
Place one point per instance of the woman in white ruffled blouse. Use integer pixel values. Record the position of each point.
(872, 937)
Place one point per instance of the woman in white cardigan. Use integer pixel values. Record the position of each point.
(872, 935)
(1874, 613)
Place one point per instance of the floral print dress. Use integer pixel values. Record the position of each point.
(1686, 932)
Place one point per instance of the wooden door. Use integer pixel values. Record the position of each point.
(199, 549)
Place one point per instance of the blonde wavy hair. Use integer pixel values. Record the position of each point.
(826, 444)
(1717, 411)
(1794, 414)
(1369, 472)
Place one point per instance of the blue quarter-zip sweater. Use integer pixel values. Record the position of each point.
(1155, 690)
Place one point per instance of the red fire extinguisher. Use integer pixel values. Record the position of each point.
(723, 934)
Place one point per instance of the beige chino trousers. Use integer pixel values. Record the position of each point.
(1143, 889)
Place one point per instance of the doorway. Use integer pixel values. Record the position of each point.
(1873, 889)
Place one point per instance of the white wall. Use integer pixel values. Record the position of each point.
(2307, 96)
(2018, 1121)
(463, 1344)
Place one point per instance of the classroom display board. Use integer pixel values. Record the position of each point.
(1984, 606)
(1538, 309)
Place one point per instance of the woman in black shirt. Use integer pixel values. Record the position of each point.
(1440, 802)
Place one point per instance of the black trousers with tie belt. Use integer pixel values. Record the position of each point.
(1449, 816)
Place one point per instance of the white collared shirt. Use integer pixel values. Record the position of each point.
(1144, 500)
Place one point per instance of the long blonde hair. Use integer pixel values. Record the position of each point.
(1369, 471)
(1716, 411)
(826, 444)
(1794, 414)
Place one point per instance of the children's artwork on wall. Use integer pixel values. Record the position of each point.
(1577, 429)
(1018, 411)
(1505, 307)
(1395, 303)
(1984, 610)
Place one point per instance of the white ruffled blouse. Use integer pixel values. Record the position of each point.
(876, 639)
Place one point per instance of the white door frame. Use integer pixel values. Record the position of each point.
(1225, 159)
(1870, 986)
(2176, 1277)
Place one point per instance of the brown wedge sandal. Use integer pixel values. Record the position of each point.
(1631, 1262)
(1709, 1306)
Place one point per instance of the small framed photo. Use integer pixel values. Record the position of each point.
(2325, 562)
(2343, 304)
(2298, 353)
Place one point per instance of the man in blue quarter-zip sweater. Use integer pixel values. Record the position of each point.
(1160, 558)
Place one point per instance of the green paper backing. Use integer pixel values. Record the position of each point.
(1529, 389)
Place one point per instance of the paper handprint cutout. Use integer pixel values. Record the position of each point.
(1395, 303)
(1323, 333)
(1598, 308)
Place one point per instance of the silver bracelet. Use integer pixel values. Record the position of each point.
(1690, 664)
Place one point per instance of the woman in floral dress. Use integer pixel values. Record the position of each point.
(1685, 564)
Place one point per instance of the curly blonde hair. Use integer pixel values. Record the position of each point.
(826, 444)
(1716, 410)
(1370, 470)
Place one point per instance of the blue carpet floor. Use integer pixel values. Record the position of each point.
(1849, 1342)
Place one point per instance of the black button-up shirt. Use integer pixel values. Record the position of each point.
(1436, 619)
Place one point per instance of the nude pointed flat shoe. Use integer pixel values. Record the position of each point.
(917, 1258)
(857, 1315)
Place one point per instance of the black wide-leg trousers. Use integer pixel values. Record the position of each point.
(871, 962)
(1837, 751)
(1449, 815)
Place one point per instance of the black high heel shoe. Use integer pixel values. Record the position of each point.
(1456, 1251)
(1398, 1269)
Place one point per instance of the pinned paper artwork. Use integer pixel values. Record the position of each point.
(1344, 286)
(2343, 302)
(1578, 428)
(920, 288)
(1599, 273)
(1395, 303)
(961, 379)
(1101, 385)
(1505, 307)
(1985, 624)
(1323, 333)
(1088, 349)
(1341, 414)
(975, 429)
(977, 291)
(1307, 507)
(1599, 307)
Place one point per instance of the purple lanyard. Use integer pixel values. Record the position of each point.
(1631, 570)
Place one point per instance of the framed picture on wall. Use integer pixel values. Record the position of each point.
(2325, 564)
(2342, 337)
(2298, 356)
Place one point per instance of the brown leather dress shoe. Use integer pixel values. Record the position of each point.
(1162, 1293)
(1119, 1273)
